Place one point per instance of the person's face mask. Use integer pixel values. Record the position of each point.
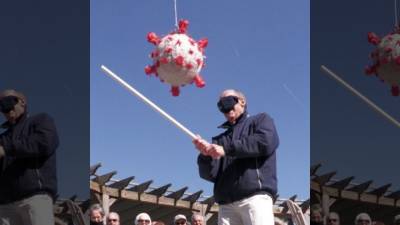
(226, 104)
(96, 223)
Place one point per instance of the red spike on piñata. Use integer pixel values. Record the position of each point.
(386, 59)
(177, 58)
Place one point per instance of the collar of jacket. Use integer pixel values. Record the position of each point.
(241, 118)
(7, 125)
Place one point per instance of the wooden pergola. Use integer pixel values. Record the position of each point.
(129, 199)
(71, 211)
(348, 198)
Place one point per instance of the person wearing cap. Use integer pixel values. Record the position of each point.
(28, 180)
(362, 219)
(180, 219)
(241, 162)
(143, 219)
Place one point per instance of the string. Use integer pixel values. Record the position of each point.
(176, 14)
(396, 22)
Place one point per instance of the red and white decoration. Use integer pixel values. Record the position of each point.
(386, 59)
(177, 58)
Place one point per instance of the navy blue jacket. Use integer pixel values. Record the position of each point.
(29, 166)
(249, 165)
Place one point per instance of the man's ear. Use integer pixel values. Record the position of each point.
(242, 102)
(23, 103)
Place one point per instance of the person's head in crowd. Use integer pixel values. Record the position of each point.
(113, 218)
(316, 215)
(12, 105)
(362, 219)
(197, 219)
(158, 223)
(96, 214)
(396, 220)
(180, 220)
(143, 219)
(333, 219)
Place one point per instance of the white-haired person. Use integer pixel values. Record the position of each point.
(28, 168)
(241, 163)
(197, 219)
(363, 219)
(113, 218)
(143, 219)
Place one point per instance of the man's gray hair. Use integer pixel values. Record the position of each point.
(12, 92)
(237, 92)
(197, 215)
(97, 207)
(113, 213)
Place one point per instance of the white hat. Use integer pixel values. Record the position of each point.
(363, 216)
(142, 216)
(180, 217)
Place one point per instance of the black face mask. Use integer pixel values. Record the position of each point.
(96, 223)
(226, 104)
(316, 223)
(8, 103)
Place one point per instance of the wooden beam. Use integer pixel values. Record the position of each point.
(121, 184)
(103, 179)
(323, 179)
(160, 191)
(177, 194)
(94, 168)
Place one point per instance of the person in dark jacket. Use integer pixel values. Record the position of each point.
(241, 162)
(28, 181)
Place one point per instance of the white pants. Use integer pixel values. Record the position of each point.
(36, 210)
(256, 210)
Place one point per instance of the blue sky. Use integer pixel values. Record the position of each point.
(258, 47)
(347, 136)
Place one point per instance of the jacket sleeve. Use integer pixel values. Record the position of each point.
(262, 142)
(207, 167)
(41, 141)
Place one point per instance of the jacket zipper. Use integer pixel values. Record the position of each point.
(39, 181)
(258, 174)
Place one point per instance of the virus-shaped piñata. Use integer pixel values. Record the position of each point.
(177, 58)
(386, 59)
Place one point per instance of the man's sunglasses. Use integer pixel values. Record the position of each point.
(8, 103)
(226, 104)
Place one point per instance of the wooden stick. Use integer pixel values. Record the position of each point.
(358, 94)
(147, 101)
